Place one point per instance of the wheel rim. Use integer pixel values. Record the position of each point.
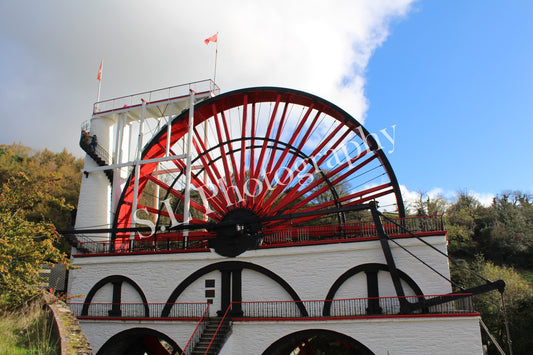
(270, 151)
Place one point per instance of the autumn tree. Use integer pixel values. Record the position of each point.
(25, 245)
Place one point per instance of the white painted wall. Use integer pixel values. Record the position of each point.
(310, 270)
(394, 336)
(389, 336)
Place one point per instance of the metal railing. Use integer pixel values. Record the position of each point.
(279, 310)
(94, 149)
(347, 232)
(138, 311)
(357, 230)
(197, 334)
(221, 333)
(172, 92)
(139, 246)
(356, 307)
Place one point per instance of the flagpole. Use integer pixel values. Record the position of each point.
(216, 56)
(99, 77)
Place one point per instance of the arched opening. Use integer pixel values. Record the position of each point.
(139, 341)
(318, 342)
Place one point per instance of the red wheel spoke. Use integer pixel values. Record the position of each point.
(283, 182)
(180, 196)
(274, 152)
(232, 155)
(255, 178)
(243, 148)
(214, 176)
(294, 194)
(200, 185)
(231, 196)
(251, 196)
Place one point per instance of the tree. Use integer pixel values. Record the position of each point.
(506, 236)
(461, 224)
(428, 206)
(517, 295)
(24, 245)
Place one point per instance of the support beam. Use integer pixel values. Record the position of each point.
(384, 240)
(187, 202)
(137, 171)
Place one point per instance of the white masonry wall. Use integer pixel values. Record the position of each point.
(386, 336)
(309, 270)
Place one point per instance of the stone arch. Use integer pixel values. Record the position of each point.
(309, 340)
(367, 268)
(232, 265)
(116, 281)
(137, 341)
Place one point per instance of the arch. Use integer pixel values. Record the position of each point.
(137, 341)
(371, 267)
(232, 265)
(114, 279)
(303, 340)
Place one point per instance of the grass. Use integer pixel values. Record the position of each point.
(27, 331)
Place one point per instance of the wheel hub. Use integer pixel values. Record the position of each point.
(238, 231)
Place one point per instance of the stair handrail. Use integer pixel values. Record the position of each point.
(98, 150)
(226, 315)
(189, 347)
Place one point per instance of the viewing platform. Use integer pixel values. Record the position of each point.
(456, 304)
(158, 102)
(174, 242)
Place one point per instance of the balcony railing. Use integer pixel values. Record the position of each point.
(356, 307)
(308, 235)
(137, 311)
(357, 231)
(160, 95)
(278, 310)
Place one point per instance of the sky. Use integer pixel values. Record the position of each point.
(453, 80)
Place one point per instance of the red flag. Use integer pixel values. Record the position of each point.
(99, 77)
(213, 39)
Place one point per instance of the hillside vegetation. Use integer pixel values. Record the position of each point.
(39, 190)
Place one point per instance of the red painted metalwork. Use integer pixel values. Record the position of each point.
(273, 151)
(274, 236)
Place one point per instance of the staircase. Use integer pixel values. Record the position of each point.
(84, 244)
(99, 155)
(209, 333)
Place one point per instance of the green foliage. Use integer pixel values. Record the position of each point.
(460, 219)
(25, 245)
(496, 241)
(427, 206)
(58, 173)
(28, 330)
(502, 232)
(507, 237)
(517, 296)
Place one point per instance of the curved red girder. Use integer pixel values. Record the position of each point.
(270, 150)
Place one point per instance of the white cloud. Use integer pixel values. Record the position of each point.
(409, 196)
(54, 49)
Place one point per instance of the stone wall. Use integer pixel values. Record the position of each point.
(67, 328)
